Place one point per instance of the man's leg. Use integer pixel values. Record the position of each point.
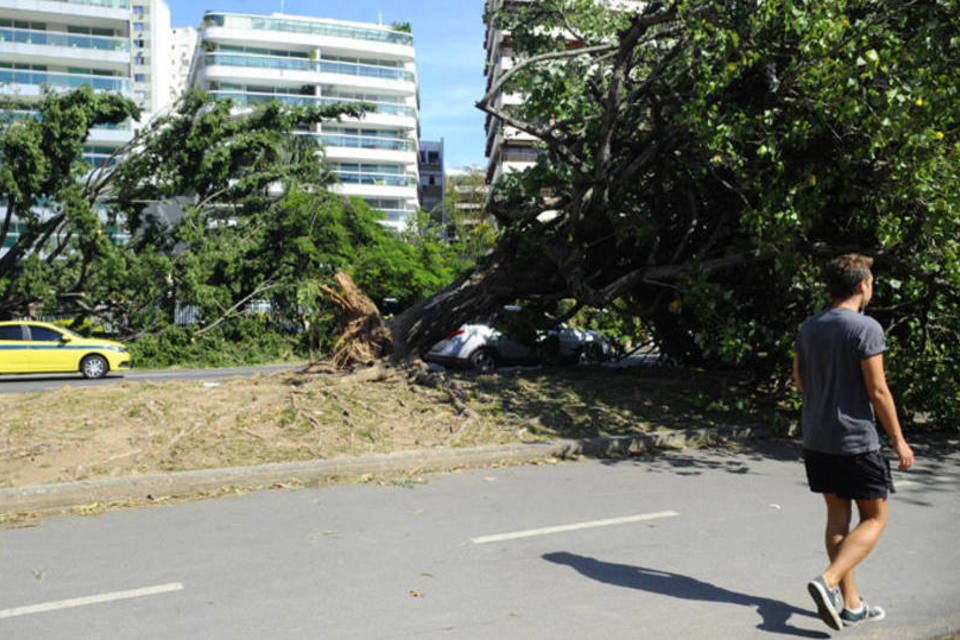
(838, 527)
(855, 546)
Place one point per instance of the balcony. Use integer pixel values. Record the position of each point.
(29, 82)
(304, 64)
(244, 98)
(309, 27)
(376, 179)
(35, 47)
(366, 142)
(60, 39)
(115, 11)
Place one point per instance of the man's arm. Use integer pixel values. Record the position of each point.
(883, 404)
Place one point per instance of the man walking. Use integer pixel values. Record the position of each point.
(838, 369)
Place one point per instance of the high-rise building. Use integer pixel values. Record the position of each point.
(302, 61)
(117, 46)
(110, 45)
(431, 178)
(183, 56)
(467, 194)
(509, 149)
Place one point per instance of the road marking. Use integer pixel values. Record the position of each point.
(529, 533)
(88, 600)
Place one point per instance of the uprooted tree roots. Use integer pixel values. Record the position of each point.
(365, 342)
(364, 337)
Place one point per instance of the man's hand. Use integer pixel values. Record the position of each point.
(905, 453)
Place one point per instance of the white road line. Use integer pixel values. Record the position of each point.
(88, 600)
(573, 527)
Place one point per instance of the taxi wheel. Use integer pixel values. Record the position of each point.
(94, 366)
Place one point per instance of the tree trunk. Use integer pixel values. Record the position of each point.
(418, 328)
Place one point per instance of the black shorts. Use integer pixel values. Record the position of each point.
(864, 476)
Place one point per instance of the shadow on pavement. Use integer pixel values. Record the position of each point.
(775, 614)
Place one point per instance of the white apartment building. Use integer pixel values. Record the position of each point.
(300, 61)
(509, 149)
(110, 45)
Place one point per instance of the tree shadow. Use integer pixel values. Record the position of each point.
(775, 615)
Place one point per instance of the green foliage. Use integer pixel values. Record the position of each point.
(734, 147)
(227, 212)
(242, 341)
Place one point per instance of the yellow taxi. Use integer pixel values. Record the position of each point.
(40, 347)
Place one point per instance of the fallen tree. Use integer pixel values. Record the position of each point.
(701, 159)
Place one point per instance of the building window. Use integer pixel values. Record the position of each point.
(139, 77)
(138, 26)
(138, 10)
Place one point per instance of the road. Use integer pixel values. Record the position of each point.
(50, 382)
(686, 544)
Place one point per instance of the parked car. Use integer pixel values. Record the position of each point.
(501, 340)
(40, 347)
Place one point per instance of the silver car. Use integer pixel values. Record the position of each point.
(505, 339)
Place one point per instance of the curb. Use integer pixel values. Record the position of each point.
(51, 497)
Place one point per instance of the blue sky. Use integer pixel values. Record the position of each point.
(448, 36)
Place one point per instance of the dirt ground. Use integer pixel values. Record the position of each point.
(136, 428)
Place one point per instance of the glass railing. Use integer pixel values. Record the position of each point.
(97, 160)
(302, 64)
(365, 142)
(21, 114)
(385, 179)
(290, 25)
(110, 4)
(243, 98)
(391, 108)
(69, 80)
(368, 70)
(396, 215)
(59, 39)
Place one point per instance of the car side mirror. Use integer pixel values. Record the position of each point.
(65, 338)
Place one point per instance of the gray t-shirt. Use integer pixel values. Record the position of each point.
(837, 414)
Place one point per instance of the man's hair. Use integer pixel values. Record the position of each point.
(845, 273)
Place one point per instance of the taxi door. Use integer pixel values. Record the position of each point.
(48, 351)
(14, 349)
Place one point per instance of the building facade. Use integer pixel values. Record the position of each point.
(467, 194)
(111, 45)
(508, 149)
(116, 46)
(315, 61)
(431, 179)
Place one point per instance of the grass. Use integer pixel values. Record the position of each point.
(135, 428)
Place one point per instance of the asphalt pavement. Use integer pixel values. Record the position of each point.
(681, 544)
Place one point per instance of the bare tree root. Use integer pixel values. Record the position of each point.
(364, 337)
(365, 341)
